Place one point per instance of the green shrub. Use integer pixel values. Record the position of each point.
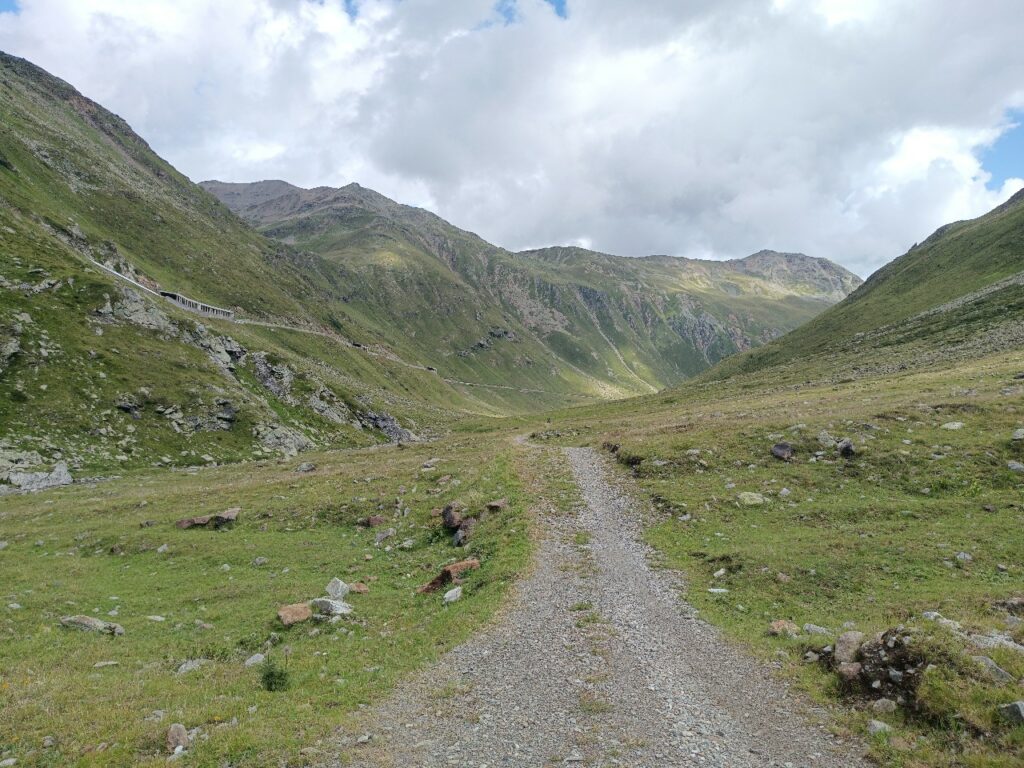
(273, 676)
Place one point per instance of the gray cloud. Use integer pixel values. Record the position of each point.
(843, 129)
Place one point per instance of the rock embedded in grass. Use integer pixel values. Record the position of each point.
(337, 589)
(996, 673)
(750, 499)
(1015, 466)
(783, 628)
(449, 574)
(452, 595)
(256, 658)
(953, 425)
(782, 451)
(219, 520)
(328, 607)
(847, 646)
(91, 624)
(294, 614)
(177, 739)
(845, 448)
(876, 727)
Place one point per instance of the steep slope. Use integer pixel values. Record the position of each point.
(555, 317)
(100, 372)
(960, 293)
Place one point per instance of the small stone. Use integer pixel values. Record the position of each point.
(156, 618)
(499, 504)
(161, 549)
(358, 588)
(1018, 435)
(49, 742)
(877, 726)
(104, 664)
(8, 762)
(964, 557)
(225, 567)
(814, 629)
(1015, 466)
(845, 448)
(177, 738)
(259, 561)
(364, 739)
(883, 706)
(1013, 713)
(718, 591)
(952, 425)
(384, 535)
(719, 573)
(785, 493)
(750, 499)
(256, 658)
(306, 466)
(452, 595)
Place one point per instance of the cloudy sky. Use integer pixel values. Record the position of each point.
(842, 128)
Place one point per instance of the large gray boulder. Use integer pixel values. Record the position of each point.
(38, 481)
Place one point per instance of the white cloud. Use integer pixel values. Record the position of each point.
(847, 129)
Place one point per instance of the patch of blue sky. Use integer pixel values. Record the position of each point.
(1005, 158)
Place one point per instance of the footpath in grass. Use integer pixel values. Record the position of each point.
(112, 551)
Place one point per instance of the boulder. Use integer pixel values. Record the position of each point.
(992, 670)
(883, 706)
(91, 624)
(177, 739)
(383, 535)
(256, 658)
(1013, 712)
(337, 589)
(450, 574)
(847, 646)
(1015, 466)
(750, 499)
(952, 425)
(218, 520)
(452, 595)
(814, 629)
(1014, 605)
(329, 607)
(876, 727)
(845, 448)
(1018, 436)
(306, 466)
(294, 614)
(782, 451)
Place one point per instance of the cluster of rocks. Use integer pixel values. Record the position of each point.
(277, 437)
(450, 575)
(842, 445)
(460, 522)
(329, 608)
(275, 378)
(387, 425)
(20, 471)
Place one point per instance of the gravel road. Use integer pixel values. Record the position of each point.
(597, 661)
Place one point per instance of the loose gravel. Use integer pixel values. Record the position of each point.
(597, 661)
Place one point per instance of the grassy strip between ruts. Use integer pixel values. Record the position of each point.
(94, 550)
(927, 516)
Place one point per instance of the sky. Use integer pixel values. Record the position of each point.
(848, 129)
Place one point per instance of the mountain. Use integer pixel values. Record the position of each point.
(549, 318)
(958, 294)
(346, 320)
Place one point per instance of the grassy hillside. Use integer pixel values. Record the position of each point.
(961, 291)
(556, 318)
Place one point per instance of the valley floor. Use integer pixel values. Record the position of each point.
(596, 662)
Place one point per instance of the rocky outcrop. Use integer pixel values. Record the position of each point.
(277, 379)
(133, 308)
(388, 425)
(326, 404)
(277, 437)
(39, 481)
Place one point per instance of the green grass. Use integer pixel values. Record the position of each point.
(98, 553)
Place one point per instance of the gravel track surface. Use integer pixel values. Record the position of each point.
(597, 661)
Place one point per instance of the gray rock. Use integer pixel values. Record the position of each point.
(133, 308)
(1018, 435)
(877, 726)
(953, 425)
(993, 670)
(847, 646)
(826, 440)
(845, 448)
(49, 742)
(964, 557)
(750, 499)
(306, 466)
(91, 624)
(1015, 466)
(191, 666)
(259, 561)
(1013, 712)
(256, 658)
(388, 425)
(38, 481)
(383, 535)
(329, 607)
(278, 437)
(337, 589)
(278, 379)
(883, 706)
(452, 595)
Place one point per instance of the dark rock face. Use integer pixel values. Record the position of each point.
(388, 425)
(845, 448)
